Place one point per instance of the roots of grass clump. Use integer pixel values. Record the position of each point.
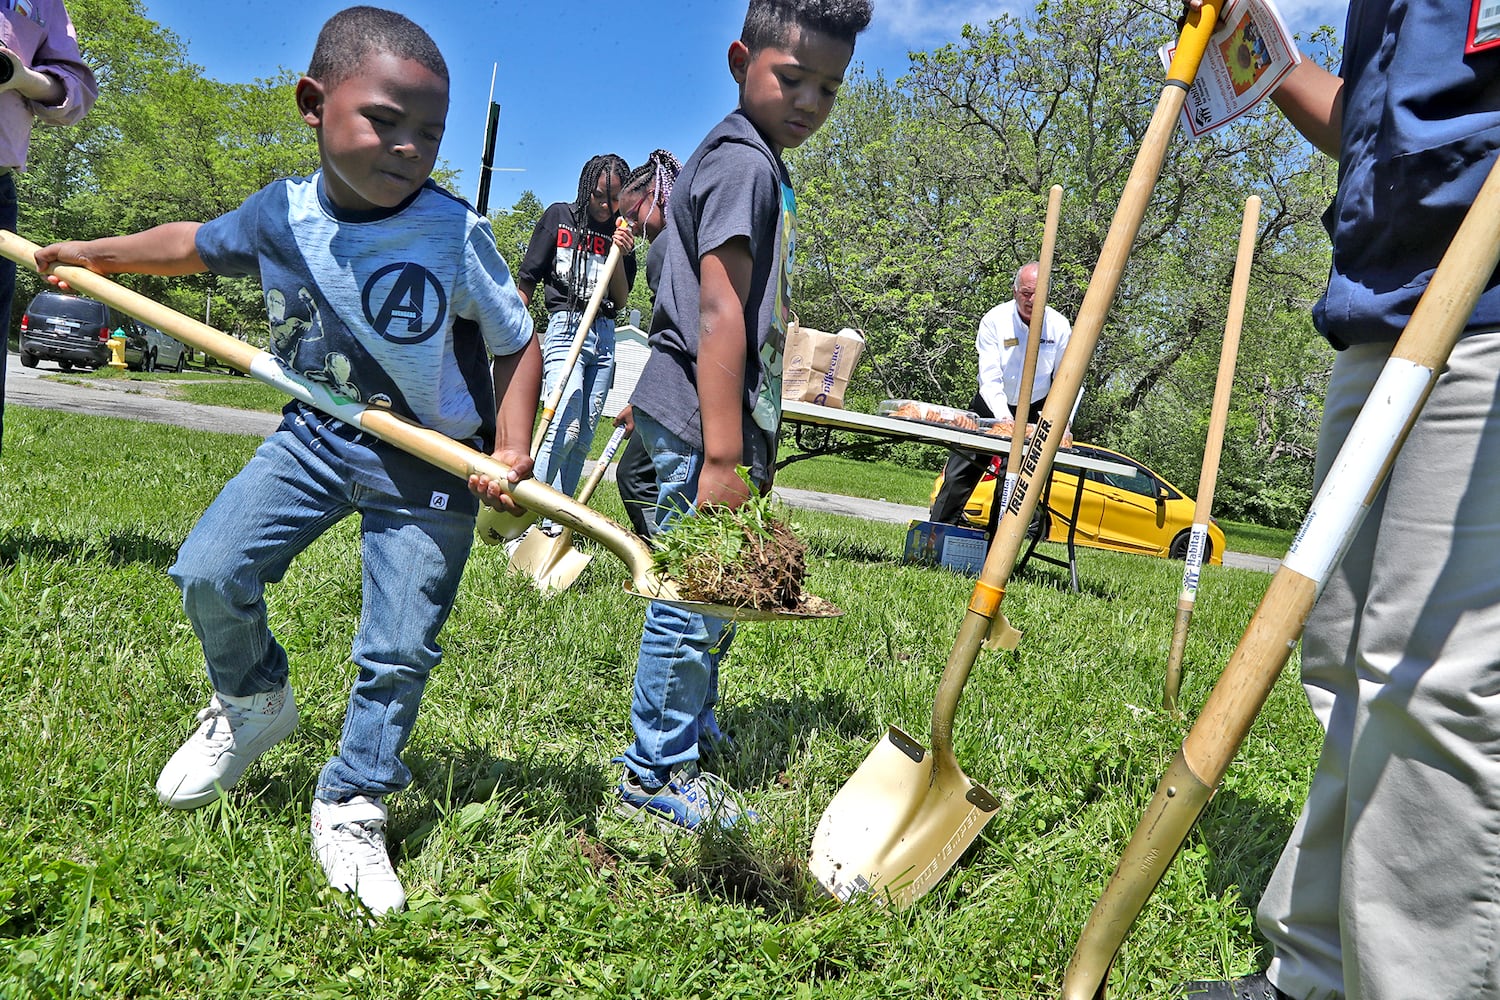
(766, 573)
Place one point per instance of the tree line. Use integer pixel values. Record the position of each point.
(917, 203)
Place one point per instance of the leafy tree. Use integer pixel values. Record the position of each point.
(920, 200)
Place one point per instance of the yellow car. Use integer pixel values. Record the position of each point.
(1142, 513)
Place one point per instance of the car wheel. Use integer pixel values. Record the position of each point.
(1040, 526)
(66, 366)
(181, 361)
(1179, 548)
(28, 360)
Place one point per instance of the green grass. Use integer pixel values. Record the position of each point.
(523, 883)
(855, 478)
(243, 393)
(1241, 536)
(209, 388)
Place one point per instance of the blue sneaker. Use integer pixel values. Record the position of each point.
(688, 800)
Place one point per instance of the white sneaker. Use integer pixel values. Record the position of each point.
(232, 732)
(348, 839)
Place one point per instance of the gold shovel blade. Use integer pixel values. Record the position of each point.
(552, 563)
(898, 824)
(495, 526)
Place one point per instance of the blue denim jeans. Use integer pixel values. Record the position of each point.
(559, 464)
(677, 670)
(412, 558)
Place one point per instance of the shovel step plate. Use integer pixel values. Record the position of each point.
(898, 824)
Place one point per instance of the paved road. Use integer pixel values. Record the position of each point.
(149, 401)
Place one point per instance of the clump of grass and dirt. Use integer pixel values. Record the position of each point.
(747, 557)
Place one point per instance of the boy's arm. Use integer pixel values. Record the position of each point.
(518, 385)
(1313, 101)
(726, 275)
(169, 249)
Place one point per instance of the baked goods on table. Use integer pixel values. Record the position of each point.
(930, 413)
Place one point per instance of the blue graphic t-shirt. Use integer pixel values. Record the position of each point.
(401, 308)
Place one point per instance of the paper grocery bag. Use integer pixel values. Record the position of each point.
(817, 365)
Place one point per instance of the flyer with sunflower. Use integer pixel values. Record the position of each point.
(1249, 55)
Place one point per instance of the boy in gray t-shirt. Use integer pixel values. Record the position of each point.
(709, 398)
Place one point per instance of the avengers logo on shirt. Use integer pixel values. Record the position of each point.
(404, 303)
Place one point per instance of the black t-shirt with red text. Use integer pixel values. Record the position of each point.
(550, 258)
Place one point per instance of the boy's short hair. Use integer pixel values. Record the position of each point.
(354, 33)
(770, 22)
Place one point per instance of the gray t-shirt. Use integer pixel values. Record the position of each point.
(732, 186)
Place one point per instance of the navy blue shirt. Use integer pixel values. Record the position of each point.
(1420, 127)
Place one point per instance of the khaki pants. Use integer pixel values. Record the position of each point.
(1389, 888)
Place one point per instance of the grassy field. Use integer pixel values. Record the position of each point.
(523, 882)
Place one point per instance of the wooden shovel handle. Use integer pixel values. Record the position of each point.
(601, 466)
(585, 323)
(1213, 448)
(1352, 483)
(425, 443)
(989, 590)
(1034, 331)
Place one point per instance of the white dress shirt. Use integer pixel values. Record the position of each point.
(1001, 347)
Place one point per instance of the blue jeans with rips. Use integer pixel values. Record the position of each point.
(559, 464)
(412, 559)
(677, 671)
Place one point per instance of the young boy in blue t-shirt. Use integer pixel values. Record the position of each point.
(390, 290)
(709, 398)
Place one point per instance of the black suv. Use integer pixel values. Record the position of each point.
(73, 330)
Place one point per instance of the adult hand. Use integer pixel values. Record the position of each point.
(626, 419)
(43, 88)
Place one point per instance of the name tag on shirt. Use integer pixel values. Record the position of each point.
(1015, 341)
(1484, 25)
(26, 8)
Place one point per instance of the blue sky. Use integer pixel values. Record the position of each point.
(572, 78)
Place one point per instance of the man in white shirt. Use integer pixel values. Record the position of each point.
(1001, 345)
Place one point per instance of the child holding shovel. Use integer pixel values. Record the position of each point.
(1389, 886)
(566, 256)
(709, 398)
(390, 283)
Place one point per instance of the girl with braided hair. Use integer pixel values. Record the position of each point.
(643, 204)
(643, 199)
(566, 257)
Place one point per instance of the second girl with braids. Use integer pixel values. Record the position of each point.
(566, 257)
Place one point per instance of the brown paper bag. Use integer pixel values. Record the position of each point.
(816, 365)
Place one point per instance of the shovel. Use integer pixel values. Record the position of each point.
(429, 445)
(552, 563)
(904, 817)
(1208, 477)
(1033, 341)
(1354, 479)
(496, 526)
